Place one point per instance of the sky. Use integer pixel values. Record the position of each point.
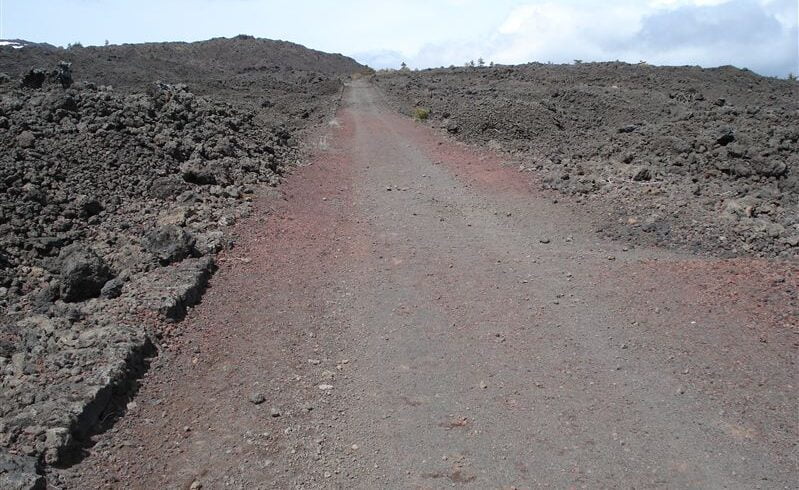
(760, 35)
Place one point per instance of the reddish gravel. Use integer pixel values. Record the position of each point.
(415, 315)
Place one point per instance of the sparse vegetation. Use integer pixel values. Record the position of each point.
(421, 114)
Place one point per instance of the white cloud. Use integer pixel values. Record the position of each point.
(517, 18)
(757, 34)
(691, 3)
(550, 31)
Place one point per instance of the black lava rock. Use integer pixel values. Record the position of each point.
(169, 244)
(113, 288)
(83, 273)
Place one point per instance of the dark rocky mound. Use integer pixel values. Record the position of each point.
(706, 159)
(101, 192)
(284, 82)
(81, 163)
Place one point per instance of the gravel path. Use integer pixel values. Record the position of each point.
(411, 313)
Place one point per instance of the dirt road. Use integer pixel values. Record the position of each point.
(413, 313)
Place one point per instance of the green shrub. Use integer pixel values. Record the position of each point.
(421, 113)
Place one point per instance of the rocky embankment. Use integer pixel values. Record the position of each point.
(701, 159)
(113, 206)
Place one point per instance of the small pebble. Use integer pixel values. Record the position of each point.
(257, 398)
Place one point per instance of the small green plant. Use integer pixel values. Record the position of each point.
(421, 113)
(791, 77)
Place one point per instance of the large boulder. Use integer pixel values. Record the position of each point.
(113, 288)
(83, 273)
(86, 207)
(169, 243)
(726, 136)
(34, 78)
(772, 168)
(198, 173)
(168, 187)
(26, 139)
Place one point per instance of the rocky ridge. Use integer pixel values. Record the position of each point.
(283, 83)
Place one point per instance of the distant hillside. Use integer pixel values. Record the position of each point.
(242, 70)
(130, 64)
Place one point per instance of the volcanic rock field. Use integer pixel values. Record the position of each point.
(123, 168)
(701, 159)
